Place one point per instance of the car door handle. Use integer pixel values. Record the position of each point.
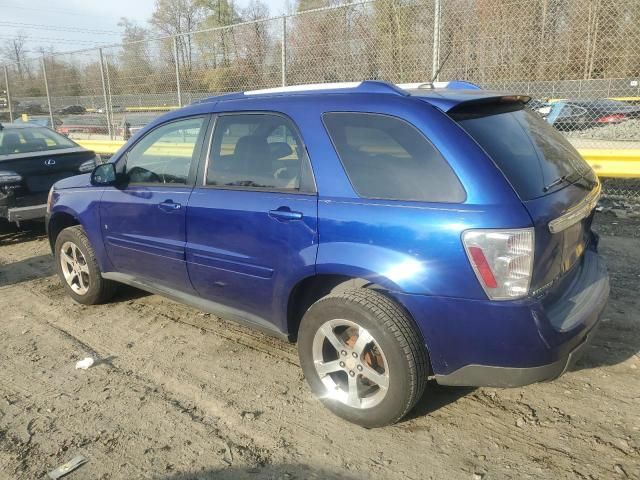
(169, 206)
(285, 214)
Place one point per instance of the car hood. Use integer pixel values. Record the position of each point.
(77, 181)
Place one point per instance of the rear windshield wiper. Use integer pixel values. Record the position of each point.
(557, 181)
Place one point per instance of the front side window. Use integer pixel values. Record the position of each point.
(257, 151)
(388, 158)
(165, 154)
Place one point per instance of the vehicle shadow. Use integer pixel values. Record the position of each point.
(435, 397)
(26, 270)
(11, 234)
(266, 472)
(616, 340)
(126, 293)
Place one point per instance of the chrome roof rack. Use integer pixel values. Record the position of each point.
(366, 86)
(451, 85)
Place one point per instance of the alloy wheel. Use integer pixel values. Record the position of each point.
(74, 268)
(350, 364)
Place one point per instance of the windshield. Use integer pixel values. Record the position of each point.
(531, 154)
(28, 140)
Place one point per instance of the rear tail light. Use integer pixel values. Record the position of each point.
(502, 260)
(615, 118)
(89, 165)
(8, 178)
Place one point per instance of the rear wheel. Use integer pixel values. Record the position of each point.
(78, 268)
(363, 357)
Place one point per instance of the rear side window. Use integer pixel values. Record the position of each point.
(531, 154)
(388, 158)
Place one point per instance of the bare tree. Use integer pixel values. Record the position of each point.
(14, 51)
(134, 58)
(176, 17)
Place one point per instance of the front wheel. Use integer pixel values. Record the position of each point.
(363, 357)
(78, 268)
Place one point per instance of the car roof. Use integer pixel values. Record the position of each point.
(9, 126)
(444, 95)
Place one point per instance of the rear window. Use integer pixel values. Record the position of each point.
(388, 158)
(29, 140)
(531, 154)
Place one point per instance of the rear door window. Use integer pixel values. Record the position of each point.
(531, 154)
(388, 158)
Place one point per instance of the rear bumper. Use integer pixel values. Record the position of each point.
(19, 214)
(490, 376)
(509, 344)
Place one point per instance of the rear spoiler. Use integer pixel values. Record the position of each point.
(489, 105)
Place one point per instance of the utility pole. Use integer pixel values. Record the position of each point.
(436, 39)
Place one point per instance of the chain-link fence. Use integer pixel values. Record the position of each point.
(578, 59)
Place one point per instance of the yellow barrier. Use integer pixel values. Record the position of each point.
(613, 163)
(107, 147)
(620, 163)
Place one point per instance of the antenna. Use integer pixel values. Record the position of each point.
(440, 67)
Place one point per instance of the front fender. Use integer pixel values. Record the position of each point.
(82, 204)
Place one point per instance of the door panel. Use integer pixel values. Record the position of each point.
(239, 255)
(144, 217)
(252, 227)
(142, 238)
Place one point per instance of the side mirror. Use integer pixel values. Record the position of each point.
(104, 175)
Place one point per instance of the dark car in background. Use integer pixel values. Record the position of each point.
(32, 159)
(84, 124)
(32, 108)
(581, 114)
(71, 110)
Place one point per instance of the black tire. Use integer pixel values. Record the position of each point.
(99, 289)
(394, 332)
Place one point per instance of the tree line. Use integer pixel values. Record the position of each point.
(487, 41)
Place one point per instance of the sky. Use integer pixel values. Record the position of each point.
(69, 25)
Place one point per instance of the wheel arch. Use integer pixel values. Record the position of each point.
(57, 222)
(312, 288)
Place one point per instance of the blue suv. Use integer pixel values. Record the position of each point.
(397, 232)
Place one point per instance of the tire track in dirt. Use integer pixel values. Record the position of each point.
(243, 447)
(159, 374)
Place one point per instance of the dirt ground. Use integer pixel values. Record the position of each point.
(176, 394)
